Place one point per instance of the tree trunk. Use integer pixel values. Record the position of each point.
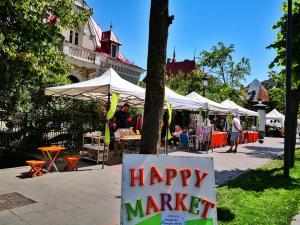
(155, 80)
(294, 113)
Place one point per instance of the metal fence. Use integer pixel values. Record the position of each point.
(38, 129)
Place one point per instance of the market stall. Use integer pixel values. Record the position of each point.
(275, 119)
(238, 109)
(182, 102)
(109, 88)
(207, 104)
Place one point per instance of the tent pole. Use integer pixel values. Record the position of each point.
(107, 108)
(166, 136)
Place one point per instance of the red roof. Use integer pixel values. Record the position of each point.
(110, 36)
(263, 94)
(185, 67)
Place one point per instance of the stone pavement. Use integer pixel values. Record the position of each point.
(91, 196)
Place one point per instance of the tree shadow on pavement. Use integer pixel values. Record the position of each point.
(263, 152)
(224, 176)
(261, 179)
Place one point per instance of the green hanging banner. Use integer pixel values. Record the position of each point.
(229, 117)
(200, 112)
(257, 123)
(111, 112)
(169, 106)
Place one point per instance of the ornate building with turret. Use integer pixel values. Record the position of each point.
(174, 67)
(92, 50)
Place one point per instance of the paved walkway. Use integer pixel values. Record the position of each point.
(92, 196)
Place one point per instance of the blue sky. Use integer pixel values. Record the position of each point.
(198, 25)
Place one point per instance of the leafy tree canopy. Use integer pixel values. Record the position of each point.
(30, 56)
(277, 95)
(219, 62)
(280, 44)
(216, 90)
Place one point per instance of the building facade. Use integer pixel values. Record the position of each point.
(92, 51)
(256, 92)
(173, 67)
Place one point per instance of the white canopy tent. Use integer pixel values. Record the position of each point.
(181, 102)
(208, 104)
(275, 118)
(238, 109)
(100, 87)
(111, 82)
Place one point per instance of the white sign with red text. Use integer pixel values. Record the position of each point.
(163, 189)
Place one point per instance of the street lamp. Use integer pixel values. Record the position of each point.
(204, 83)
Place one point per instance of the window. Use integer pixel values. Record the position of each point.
(113, 50)
(71, 36)
(76, 38)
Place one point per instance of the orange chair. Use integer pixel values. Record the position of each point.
(36, 167)
(71, 162)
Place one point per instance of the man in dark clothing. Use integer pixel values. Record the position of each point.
(122, 116)
(164, 127)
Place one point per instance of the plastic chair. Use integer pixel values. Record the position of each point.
(184, 141)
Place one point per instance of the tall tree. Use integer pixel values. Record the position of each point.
(219, 62)
(30, 49)
(280, 46)
(31, 59)
(155, 81)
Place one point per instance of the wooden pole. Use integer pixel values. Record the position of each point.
(106, 121)
(166, 137)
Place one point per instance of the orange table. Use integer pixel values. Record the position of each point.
(51, 153)
(218, 139)
(252, 136)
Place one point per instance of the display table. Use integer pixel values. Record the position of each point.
(252, 136)
(218, 139)
(123, 138)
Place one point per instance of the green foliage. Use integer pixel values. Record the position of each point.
(277, 94)
(31, 60)
(219, 62)
(216, 90)
(280, 43)
(30, 56)
(262, 196)
(184, 84)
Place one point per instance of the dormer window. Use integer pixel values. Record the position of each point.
(114, 49)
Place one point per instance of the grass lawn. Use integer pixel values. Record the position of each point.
(261, 197)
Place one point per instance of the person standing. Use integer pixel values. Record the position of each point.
(236, 130)
(122, 117)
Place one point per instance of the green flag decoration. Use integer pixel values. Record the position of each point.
(111, 112)
(169, 106)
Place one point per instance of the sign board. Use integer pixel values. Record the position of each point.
(168, 190)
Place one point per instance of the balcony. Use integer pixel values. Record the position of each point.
(81, 54)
